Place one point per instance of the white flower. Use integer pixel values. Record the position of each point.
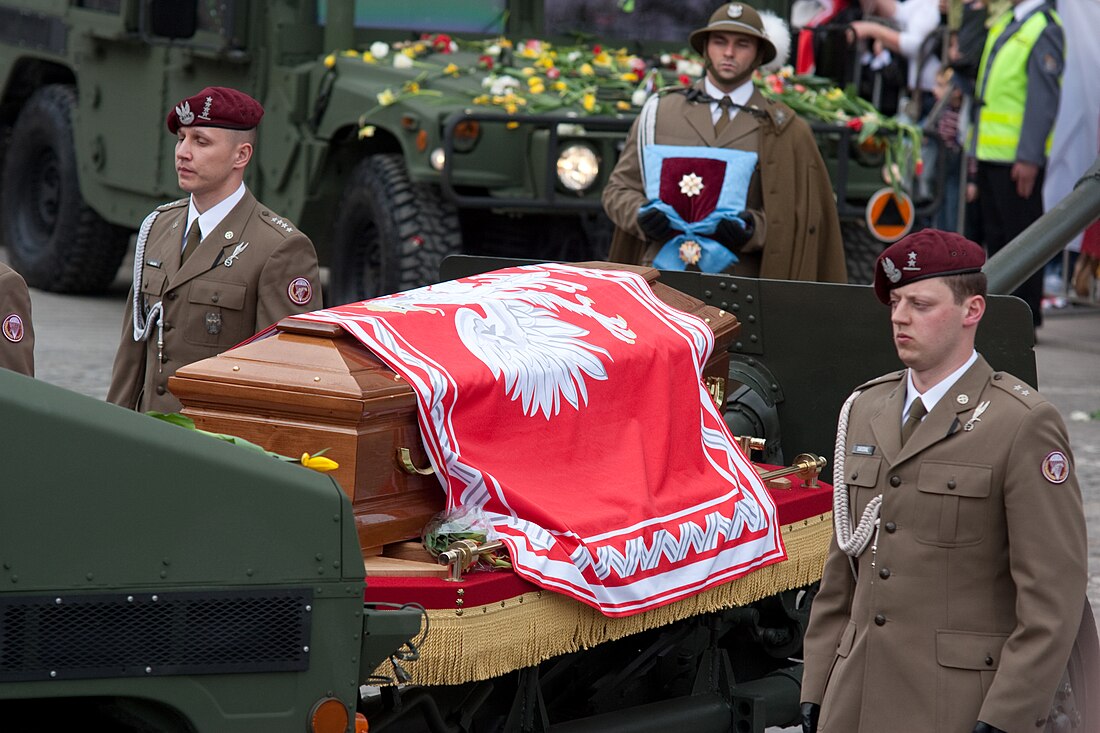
(666, 59)
(573, 56)
(379, 50)
(401, 61)
(493, 51)
(502, 84)
(691, 185)
(639, 97)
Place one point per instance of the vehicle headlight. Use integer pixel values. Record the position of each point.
(437, 158)
(578, 167)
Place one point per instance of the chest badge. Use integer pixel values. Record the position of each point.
(236, 253)
(962, 399)
(863, 450)
(213, 323)
(977, 416)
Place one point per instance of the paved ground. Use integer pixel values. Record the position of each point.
(77, 337)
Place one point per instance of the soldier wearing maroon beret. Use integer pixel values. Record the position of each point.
(955, 582)
(213, 268)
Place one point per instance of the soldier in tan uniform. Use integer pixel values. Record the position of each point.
(954, 586)
(17, 343)
(214, 268)
(789, 229)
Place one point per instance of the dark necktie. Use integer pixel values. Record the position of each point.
(917, 412)
(725, 104)
(194, 236)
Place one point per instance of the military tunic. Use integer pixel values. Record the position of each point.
(16, 333)
(798, 231)
(969, 598)
(252, 270)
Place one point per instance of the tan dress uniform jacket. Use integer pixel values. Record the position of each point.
(209, 306)
(969, 605)
(16, 333)
(799, 239)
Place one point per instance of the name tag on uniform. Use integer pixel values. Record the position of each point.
(864, 450)
(153, 263)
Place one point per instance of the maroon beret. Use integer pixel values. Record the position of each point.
(216, 107)
(924, 254)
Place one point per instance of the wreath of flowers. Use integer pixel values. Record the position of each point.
(536, 76)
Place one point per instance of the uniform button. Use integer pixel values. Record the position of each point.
(172, 296)
(891, 527)
(855, 476)
(160, 389)
(951, 484)
(895, 481)
(989, 661)
(880, 620)
(214, 298)
(884, 573)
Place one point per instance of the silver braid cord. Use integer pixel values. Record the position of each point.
(647, 130)
(852, 542)
(143, 323)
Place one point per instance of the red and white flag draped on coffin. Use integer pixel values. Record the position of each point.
(568, 405)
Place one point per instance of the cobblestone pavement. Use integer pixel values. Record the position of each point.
(76, 338)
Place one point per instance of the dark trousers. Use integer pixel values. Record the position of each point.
(1004, 215)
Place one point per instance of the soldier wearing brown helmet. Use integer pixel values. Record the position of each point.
(955, 582)
(212, 269)
(789, 227)
(17, 342)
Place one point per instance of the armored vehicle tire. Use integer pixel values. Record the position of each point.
(861, 249)
(54, 239)
(390, 234)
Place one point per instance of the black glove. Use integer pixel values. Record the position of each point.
(731, 234)
(981, 727)
(810, 711)
(656, 225)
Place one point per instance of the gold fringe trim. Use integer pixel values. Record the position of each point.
(480, 642)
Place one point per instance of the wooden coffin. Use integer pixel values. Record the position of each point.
(312, 386)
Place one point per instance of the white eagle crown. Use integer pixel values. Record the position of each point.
(183, 111)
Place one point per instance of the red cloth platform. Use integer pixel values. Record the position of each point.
(480, 588)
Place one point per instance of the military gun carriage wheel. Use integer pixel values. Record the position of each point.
(390, 234)
(861, 249)
(55, 240)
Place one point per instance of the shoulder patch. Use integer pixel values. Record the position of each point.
(1018, 388)
(13, 328)
(884, 379)
(277, 222)
(174, 204)
(1055, 467)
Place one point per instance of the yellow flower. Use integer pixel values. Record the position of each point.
(512, 125)
(368, 58)
(834, 94)
(319, 463)
(527, 71)
(386, 97)
(511, 108)
(412, 87)
(451, 69)
(366, 131)
(629, 76)
(587, 70)
(545, 61)
(538, 88)
(330, 61)
(482, 99)
(529, 53)
(621, 104)
(504, 43)
(589, 101)
(560, 86)
(350, 52)
(603, 58)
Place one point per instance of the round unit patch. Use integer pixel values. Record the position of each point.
(300, 291)
(13, 328)
(1056, 467)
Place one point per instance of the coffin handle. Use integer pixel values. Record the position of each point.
(404, 459)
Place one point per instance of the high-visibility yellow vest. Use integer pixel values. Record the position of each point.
(1004, 91)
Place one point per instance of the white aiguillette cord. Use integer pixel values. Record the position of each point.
(143, 322)
(852, 542)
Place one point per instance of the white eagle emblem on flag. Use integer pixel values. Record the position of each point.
(183, 111)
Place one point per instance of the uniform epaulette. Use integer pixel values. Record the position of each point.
(277, 222)
(174, 204)
(884, 379)
(1018, 388)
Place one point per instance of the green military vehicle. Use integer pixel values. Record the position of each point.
(385, 139)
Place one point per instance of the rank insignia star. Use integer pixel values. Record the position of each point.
(691, 185)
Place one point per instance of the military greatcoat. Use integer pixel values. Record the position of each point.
(969, 599)
(791, 196)
(252, 270)
(16, 333)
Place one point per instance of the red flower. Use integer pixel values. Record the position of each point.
(685, 80)
(855, 124)
(442, 43)
(597, 49)
(553, 73)
(920, 167)
(485, 62)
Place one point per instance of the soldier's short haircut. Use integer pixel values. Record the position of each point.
(967, 284)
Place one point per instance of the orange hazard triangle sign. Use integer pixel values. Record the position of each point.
(889, 214)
